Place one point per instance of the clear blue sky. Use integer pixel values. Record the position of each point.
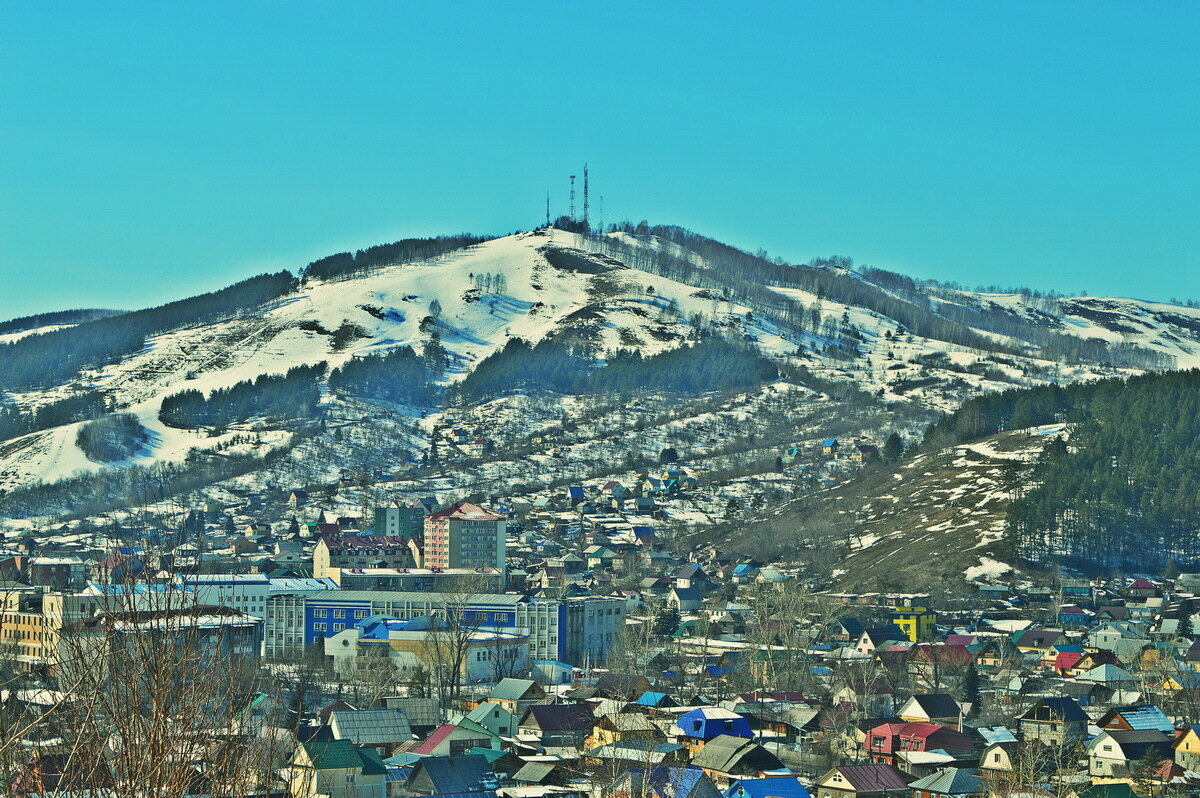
(153, 150)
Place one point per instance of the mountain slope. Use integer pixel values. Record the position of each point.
(645, 290)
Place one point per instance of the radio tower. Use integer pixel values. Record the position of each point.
(585, 196)
(600, 221)
(547, 208)
(572, 198)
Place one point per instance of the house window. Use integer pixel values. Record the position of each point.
(360, 613)
(995, 757)
(337, 627)
(321, 613)
(339, 613)
(318, 627)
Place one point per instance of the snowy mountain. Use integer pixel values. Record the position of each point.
(858, 354)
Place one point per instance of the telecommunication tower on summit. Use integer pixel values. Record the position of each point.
(585, 196)
(572, 211)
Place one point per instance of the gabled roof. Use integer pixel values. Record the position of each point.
(513, 689)
(667, 782)
(950, 781)
(872, 778)
(1063, 710)
(341, 754)
(559, 717)
(1140, 717)
(1106, 674)
(772, 787)
(371, 726)
(1135, 744)
(724, 752)
(430, 743)
(938, 705)
(1039, 638)
(450, 775)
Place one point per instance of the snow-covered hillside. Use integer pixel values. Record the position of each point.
(477, 299)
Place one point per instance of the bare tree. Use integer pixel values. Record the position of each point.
(451, 636)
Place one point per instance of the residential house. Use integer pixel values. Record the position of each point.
(381, 729)
(872, 639)
(949, 783)
(452, 739)
(1140, 588)
(558, 724)
(618, 726)
(623, 686)
(772, 787)
(883, 743)
(1055, 721)
(863, 452)
(725, 758)
(1136, 717)
(999, 755)
(862, 781)
(467, 774)
(939, 708)
(663, 782)
(517, 695)
(336, 768)
(695, 727)
(494, 717)
(1072, 615)
(685, 599)
(1187, 748)
(1114, 754)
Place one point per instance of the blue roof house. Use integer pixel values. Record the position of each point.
(774, 787)
(705, 723)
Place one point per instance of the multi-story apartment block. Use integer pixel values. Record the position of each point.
(296, 620)
(405, 520)
(335, 552)
(243, 592)
(464, 535)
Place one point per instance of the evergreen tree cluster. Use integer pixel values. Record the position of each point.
(399, 376)
(55, 357)
(346, 264)
(280, 397)
(569, 367)
(57, 317)
(76, 407)
(1125, 492)
(1017, 408)
(114, 437)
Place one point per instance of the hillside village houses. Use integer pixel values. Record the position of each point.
(564, 644)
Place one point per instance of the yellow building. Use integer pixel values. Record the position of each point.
(916, 622)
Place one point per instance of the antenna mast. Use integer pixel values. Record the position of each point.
(572, 212)
(600, 221)
(585, 196)
(547, 208)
